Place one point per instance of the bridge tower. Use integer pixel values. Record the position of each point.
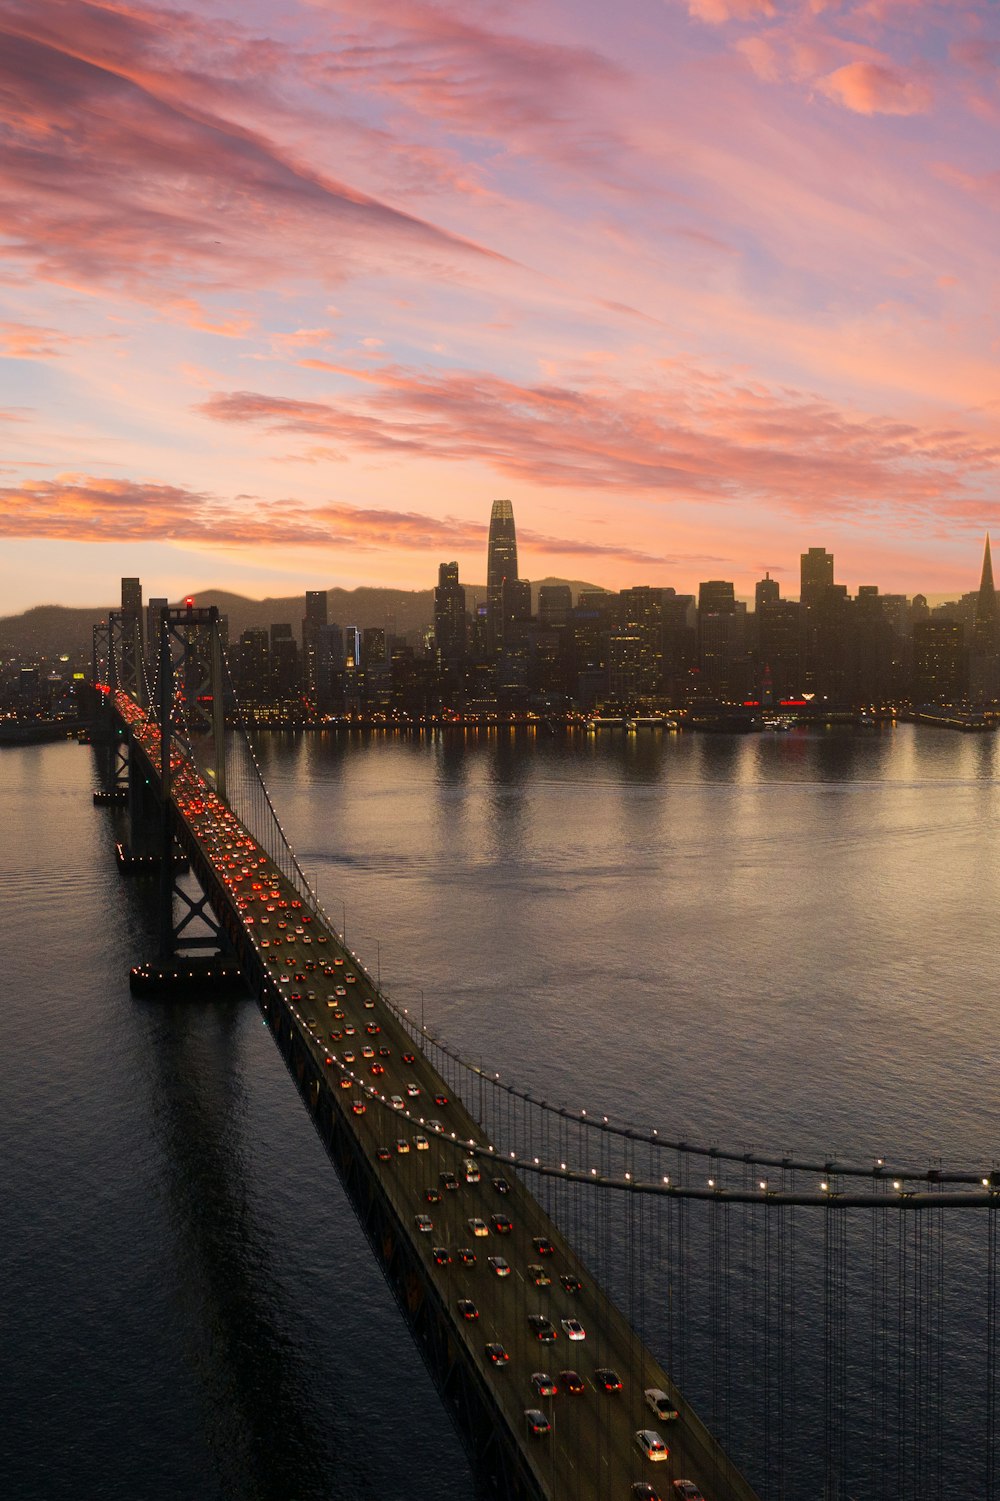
(113, 758)
(189, 704)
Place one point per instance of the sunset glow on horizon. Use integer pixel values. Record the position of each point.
(291, 293)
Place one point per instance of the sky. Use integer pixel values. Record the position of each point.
(291, 290)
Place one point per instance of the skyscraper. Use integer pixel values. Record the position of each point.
(501, 564)
(449, 615)
(816, 573)
(984, 658)
(313, 621)
(987, 618)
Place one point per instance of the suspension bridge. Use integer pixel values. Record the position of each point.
(814, 1328)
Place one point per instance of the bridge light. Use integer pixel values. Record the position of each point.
(711, 1182)
(628, 1177)
(593, 1172)
(666, 1180)
(563, 1166)
(825, 1187)
(897, 1185)
(763, 1185)
(986, 1182)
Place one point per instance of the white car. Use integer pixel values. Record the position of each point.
(421, 1143)
(651, 1444)
(659, 1403)
(413, 1090)
(396, 1101)
(573, 1329)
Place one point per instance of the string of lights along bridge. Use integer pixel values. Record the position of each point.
(606, 1310)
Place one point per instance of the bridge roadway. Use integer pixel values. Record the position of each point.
(590, 1454)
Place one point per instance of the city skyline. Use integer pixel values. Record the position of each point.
(292, 294)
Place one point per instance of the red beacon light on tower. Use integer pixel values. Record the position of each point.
(189, 602)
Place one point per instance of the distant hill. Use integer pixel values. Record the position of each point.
(50, 629)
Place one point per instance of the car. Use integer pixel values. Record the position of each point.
(350, 1057)
(441, 1255)
(336, 1036)
(572, 1381)
(501, 1185)
(543, 1384)
(383, 1154)
(350, 1029)
(496, 1354)
(470, 1170)
(643, 1491)
(420, 1142)
(466, 1255)
(373, 1029)
(396, 1101)
(651, 1444)
(409, 1057)
(350, 979)
(340, 991)
(688, 1490)
(659, 1403)
(413, 1090)
(435, 1126)
(479, 1227)
(367, 1052)
(432, 1195)
(358, 1106)
(424, 1223)
(543, 1245)
(573, 1329)
(570, 1283)
(467, 1308)
(346, 1083)
(402, 1146)
(385, 1052)
(538, 1274)
(607, 1380)
(440, 1099)
(501, 1223)
(542, 1328)
(448, 1180)
(498, 1265)
(538, 1423)
(376, 1069)
(370, 1005)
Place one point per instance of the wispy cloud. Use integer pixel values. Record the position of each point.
(121, 168)
(89, 508)
(705, 437)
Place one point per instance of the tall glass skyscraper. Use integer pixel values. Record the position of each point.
(501, 564)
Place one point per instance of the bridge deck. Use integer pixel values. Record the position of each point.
(591, 1450)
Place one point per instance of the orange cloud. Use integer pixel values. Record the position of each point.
(25, 341)
(870, 88)
(87, 508)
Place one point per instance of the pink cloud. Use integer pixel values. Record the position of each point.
(699, 438)
(715, 12)
(872, 89)
(121, 168)
(447, 65)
